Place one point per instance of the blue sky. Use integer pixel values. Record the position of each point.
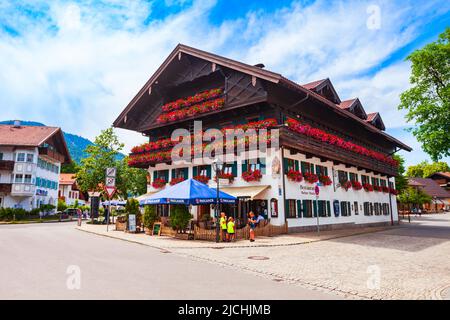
(76, 64)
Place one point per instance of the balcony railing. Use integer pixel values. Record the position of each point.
(5, 187)
(23, 189)
(52, 154)
(7, 165)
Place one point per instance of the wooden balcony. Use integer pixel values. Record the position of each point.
(46, 152)
(7, 165)
(5, 187)
(313, 147)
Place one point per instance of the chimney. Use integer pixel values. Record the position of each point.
(17, 124)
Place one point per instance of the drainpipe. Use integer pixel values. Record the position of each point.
(284, 184)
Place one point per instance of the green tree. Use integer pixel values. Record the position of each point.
(150, 216)
(71, 167)
(130, 181)
(179, 217)
(401, 182)
(61, 205)
(413, 197)
(425, 169)
(428, 100)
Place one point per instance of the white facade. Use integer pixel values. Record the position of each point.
(34, 180)
(303, 190)
(70, 195)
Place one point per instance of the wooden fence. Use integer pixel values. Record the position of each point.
(267, 230)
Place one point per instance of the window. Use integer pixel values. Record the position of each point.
(345, 209)
(367, 209)
(162, 210)
(204, 170)
(383, 183)
(290, 208)
(255, 164)
(230, 168)
(27, 178)
(386, 209)
(1, 156)
(321, 170)
(307, 208)
(290, 164)
(180, 173)
(353, 176)
(365, 179)
(355, 206)
(161, 174)
(19, 178)
(342, 176)
(307, 167)
(30, 157)
(323, 208)
(375, 181)
(21, 157)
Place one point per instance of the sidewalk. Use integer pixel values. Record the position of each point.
(164, 242)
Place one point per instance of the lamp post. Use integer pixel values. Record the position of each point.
(217, 167)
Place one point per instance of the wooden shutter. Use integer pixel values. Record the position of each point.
(296, 165)
(194, 171)
(244, 166)
(285, 165)
(286, 208)
(325, 170)
(166, 175)
(262, 163)
(349, 208)
(303, 166)
(234, 168)
(173, 173)
(208, 171)
(155, 175)
(299, 208)
(311, 168)
(315, 208)
(328, 208)
(305, 208)
(186, 173)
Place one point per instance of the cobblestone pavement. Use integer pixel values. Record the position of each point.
(411, 261)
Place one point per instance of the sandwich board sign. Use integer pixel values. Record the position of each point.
(132, 222)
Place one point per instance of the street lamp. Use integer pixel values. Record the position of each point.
(217, 167)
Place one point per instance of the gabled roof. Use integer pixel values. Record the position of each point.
(254, 71)
(430, 187)
(325, 88)
(374, 119)
(354, 106)
(67, 178)
(445, 175)
(346, 104)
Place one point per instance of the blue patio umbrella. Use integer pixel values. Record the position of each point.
(187, 192)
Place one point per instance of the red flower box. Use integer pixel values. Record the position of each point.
(311, 177)
(228, 176)
(159, 183)
(197, 98)
(356, 185)
(251, 176)
(195, 109)
(174, 181)
(202, 179)
(393, 191)
(294, 175)
(346, 185)
(368, 187)
(385, 189)
(325, 180)
(377, 188)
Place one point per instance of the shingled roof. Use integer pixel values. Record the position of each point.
(29, 136)
(430, 187)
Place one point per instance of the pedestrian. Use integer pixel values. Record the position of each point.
(252, 225)
(223, 226)
(105, 214)
(259, 219)
(230, 229)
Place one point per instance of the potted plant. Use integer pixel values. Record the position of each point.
(311, 177)
(149, 218)
(294, 175)
(325, 180)
(346, 185)
(250, 176)
(225, 178)
(368, 187)
(174, 181)
(159, 183)
(202, 178)
(356, 185)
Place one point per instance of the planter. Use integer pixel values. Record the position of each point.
(121, 226)
(182, 236)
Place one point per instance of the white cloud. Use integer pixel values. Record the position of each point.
(80, 65)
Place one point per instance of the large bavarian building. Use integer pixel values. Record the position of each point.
(323, 140)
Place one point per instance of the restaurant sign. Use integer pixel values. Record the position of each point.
(307, 190)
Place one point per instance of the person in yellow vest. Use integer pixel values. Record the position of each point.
(230, 229)
(223, 226)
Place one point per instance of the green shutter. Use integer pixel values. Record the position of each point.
(185, 173)
(299, 208)
(303, 167)
(296, 165)
(285, 165)
(315, 208)
(166, 175)
(305, 208)
(349, 208)
(312, 168)
(194, 171)
(234, 168)
(325, 170)
(244, 166)
(262, 163)
(155, 175)
(328, 208)
(208, 171)
(286, 208)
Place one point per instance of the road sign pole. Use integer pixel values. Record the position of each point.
(110, 188)
(317, 192)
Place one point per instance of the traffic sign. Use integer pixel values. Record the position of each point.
(111, 172)
(110, 191)
(110, 182)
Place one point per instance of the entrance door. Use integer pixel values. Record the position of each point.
(260, 207)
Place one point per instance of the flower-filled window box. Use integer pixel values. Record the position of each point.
(294, 175)
(174, 181)
(368, 187)
(346, 185)
(159, 183)
(203, 107)
(197, 98)
(377, 188)
(311, 177)
(393, 191)
(225, 178)
(251, 176)
(356, 185)
(202, 178)
(325, 180)
(385, 189)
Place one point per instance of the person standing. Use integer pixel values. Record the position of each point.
(223, 226)
(252, 225)
(230, 229)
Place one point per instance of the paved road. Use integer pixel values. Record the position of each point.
(35, 259)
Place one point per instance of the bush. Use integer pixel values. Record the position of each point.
(8, 214)
(150, 216)
(179, 217)
(61, 205)
(132, 207)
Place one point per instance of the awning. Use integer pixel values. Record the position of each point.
(245, 192)
(145, 196)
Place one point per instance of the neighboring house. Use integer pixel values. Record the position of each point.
(440, 197)
(442, 178)
(319, 136)
(30, 162)
(68, 189)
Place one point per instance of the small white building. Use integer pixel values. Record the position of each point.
(69, 191)
(30, 163)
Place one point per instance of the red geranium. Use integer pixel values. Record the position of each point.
(346, 185)
(356, 185)
(368, 187)
(294, 175)
(202, 178)
(311, 177)
(385, 189)
(159, 183)
(377, 188)
(228, 176)
(393, 191)
(174, 181)
(250, 175)
(325, 180)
